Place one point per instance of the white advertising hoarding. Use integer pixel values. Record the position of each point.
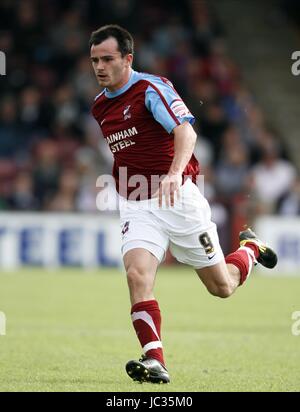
(282, 234)
(54, 240)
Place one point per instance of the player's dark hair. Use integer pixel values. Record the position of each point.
(123, 37)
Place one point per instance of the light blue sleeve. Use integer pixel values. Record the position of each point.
(166, 105)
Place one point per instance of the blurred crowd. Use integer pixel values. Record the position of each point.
(50, 147)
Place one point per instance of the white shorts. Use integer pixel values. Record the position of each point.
(186, 228)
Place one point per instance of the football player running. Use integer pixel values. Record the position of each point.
(150, 132)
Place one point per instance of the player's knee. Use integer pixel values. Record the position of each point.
(136, 278)
(221, 291)
(225, 292)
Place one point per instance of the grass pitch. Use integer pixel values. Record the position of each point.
(70, 330)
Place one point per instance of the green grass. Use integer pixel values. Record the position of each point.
(70, 331)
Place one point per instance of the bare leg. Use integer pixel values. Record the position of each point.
(141, 267)
(221, 279)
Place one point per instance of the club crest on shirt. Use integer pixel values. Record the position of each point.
(126, 113)
(179, 108)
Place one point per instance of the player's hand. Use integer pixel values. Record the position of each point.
(169, 188)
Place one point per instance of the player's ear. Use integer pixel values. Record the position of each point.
(129, 59)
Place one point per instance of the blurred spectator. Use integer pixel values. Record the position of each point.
(7, 175)
(213, 126)
(232, 171)
(272, 178)
(10, 131)
(289, 204)
(46, 172)
(65, 198)
(22, 197)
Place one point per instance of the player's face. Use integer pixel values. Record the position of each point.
(111, 69)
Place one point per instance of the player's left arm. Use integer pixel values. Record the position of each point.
(169, 110)
(184, 143)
